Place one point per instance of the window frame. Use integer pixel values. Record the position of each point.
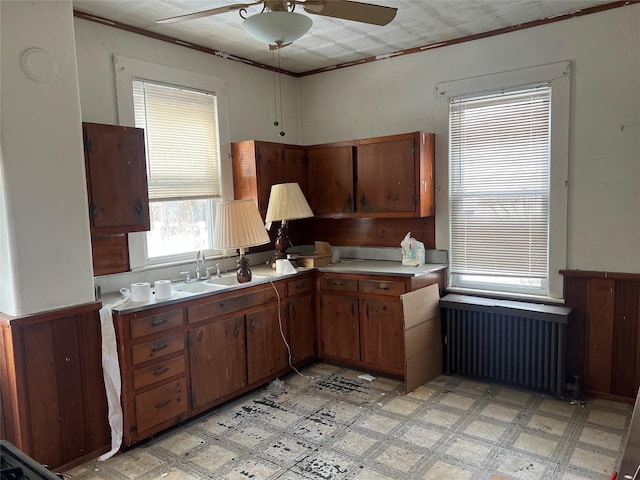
(128, 69)
(558, 75)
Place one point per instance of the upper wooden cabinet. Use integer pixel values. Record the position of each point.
(395, 176)
(330, 185)
(116, 178)
(258, 165)
(384, 177)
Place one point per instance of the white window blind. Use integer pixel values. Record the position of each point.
(499, 164)
(181, 131)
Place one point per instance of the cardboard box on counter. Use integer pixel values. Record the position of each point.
(320, 258)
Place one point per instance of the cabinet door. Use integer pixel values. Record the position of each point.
(116, 178)
(301, 322)
(386, 173)
(381, 334)
(270, 163)
(331, 179)
(295, 167)
(339, 327)
(266, 351)
(218, 360)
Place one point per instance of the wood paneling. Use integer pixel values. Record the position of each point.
(604, 332)
(110, 254)
(373, 232)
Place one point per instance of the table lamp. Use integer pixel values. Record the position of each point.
(286, 202)
(239, 225)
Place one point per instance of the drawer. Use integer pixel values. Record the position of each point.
(161, 404)
(338, 283)
(148, 324)
(228, 304)
(302, 285)
(157, 349)
(158, 372)
(382, 287)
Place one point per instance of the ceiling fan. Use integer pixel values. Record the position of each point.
(278, 25)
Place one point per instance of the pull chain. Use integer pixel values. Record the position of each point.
(275, 95)
(280, 86)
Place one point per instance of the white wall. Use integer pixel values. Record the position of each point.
(45, 243)
(397, 95)
(250, 89)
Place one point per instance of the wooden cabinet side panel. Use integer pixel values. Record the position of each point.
(626, 338)
(600, 335)
(576, 296)
(110, 254)
(426, 175)
(245, 175)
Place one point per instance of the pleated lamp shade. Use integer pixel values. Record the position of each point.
(287, 202)
(238, 225)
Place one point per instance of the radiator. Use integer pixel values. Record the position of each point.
(512, 342)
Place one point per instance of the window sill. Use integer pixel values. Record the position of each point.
(506, 295)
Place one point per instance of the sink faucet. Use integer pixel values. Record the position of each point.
(199, 263)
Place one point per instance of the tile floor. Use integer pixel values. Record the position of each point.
(330, 424)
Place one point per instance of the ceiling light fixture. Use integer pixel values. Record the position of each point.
(277, 28)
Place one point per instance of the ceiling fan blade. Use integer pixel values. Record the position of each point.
(207, 13)
(356, 11)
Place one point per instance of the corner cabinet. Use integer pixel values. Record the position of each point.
(179, 360)
(259, 165)
(116, 179)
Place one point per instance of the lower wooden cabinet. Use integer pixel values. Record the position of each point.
(360, 319)
(52, 396)
(217, 353)
(182, 359)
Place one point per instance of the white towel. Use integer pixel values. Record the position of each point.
(112, 379)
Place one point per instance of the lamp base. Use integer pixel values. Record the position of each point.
(244, 273)
(282, 242)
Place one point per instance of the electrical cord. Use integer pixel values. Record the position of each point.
(284, 339)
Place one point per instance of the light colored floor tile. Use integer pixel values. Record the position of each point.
(401, 407)
(601, 438)
(608, 419)
(398, 458)
(252, 469)
(387, 384)
(485, 430)
(593, 461)
(512, 396)
(213, 457)
(454, 400)
(378, 423)
(422, 437)
(312, 430)
(546, 424)
(473, 387)
(500, 412)
(543, 447)
(354, 443)
(326, 465)
(366, 473)
(422, 393)
(175, 473)
(249, 436)
(284, 450)
(343, 412)
(443, 470)
(521, 467)
(557, 407)
(471, 452)
(135, 463)
(181, 442)
(440, 417)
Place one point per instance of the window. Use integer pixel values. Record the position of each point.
(499, 147)
(183, 166)
(507, 186)
(185, 117)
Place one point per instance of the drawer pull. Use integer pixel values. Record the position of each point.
(158, 348)
(299, 285)
(160, 321)
(236, 329)
(160, 371)
(382, 286)
(163, 404)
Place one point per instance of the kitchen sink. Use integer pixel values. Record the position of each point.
(232, 280)
(197, 287)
